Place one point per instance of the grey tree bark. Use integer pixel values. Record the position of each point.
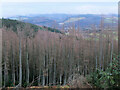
(5, 65)
(0, 58)
(27, 63)
(13, 64)
(20, 60)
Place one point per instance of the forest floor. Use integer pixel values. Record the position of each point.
(79, 82)
(45, 87)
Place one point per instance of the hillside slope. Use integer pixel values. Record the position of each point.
(8, 23)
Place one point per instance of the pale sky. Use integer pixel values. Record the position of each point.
(59, 0)
(10, 8)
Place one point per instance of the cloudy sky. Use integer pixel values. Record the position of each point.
(27, 7)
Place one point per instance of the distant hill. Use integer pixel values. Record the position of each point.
(82, 20)
(8, 23)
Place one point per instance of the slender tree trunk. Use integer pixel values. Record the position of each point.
(20, 62)
(65, 78)
(119, 36)
(112, 42)
(101, 42)
(96, 55)
(111, 51)
(54, 61)
(101, 50)
(39, 83)
(5, 72)
(5, 66)
(50, 76)
(43, 79)
(27, 63)
(43, 82)
(13, 74)
(39, 77)
(60, 78)
(48, 67)
(27, 78)
(13, 66)
(54, 78)
(0, 58)
(103, 63)
(96, 63)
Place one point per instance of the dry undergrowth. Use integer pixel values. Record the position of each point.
(77, 81)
